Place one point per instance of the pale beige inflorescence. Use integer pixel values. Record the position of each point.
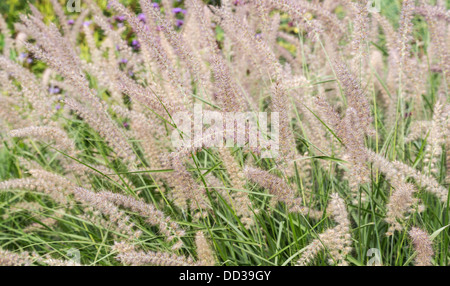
(423, 246)
(334, 242)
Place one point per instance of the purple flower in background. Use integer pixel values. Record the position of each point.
(87, 23)
(70, 22)
(130, 73)
(178, 10)
(142, 18)
(119, 25)
(179, 23)
(126, 125)
(23, 56)
(58, 106)
(123, 61)
(120, 18)
(54, 90)
(136, 45)
(29, 60)
(155, 5)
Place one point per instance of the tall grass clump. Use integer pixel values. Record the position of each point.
(89, 103)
